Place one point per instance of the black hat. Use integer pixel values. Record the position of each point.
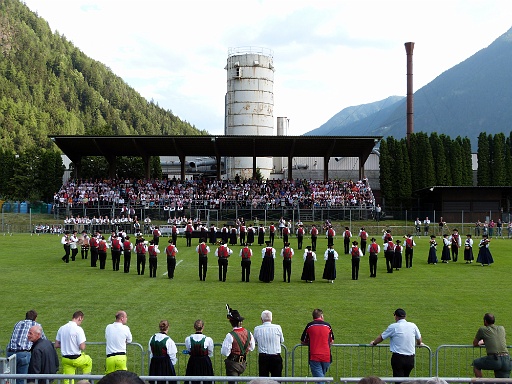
(268, 242)
(330, 245)
(233, 314)
(399, 313)
(308, 247)
(286, 244)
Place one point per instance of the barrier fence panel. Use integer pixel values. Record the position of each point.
(359, 360)
(8, 365)
(134, 357)
(456, 360)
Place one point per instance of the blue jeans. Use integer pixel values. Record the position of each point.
(318, 369)
(22, 361)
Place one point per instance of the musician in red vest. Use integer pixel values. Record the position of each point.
(245, 254)
(141, 250)
(286, 232)
(356, 258)
(102, 252)
(261, 235)
(223, 253)
(456, 244)
(363, 235)
(156, 235)
(267, 266)
(203, 250)
(272, 233)
(236, 344)
(153, 252)
(330, 235)
(287, 254)
(314, 235)
(409, 250)
(346, 240)
(188, 233)
(127, 253)
(373, 250)
(300, 236)
(389, 253)
(115, 247)
(242, 231)
(213, 234)
(93, 244)
(171, 252)
(174, 234)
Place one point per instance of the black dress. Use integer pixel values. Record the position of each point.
(160, 364)
(267, 266)
(330, 267)
(308, 271)
(199, 363)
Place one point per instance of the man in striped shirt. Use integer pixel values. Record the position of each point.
(269, 338)
(318, 336)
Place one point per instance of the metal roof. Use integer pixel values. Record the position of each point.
(76, 147)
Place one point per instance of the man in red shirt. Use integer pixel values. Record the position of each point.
(318, 336)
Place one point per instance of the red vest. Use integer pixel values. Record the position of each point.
(364, 235)
(127, 245)
(223, 252)
(287, 253)
(170, 250)
(286, 231)
(202, 249)
(102, 246)
(374, 248)
(156, 233)
(152, 250)
(347, 233)
(272, 229)
(174, 229)
(391, 246)
(300, 232)
(408, 243)
(93, 242)
(330, 233)
(398, 248)
(116, 244)
(355, 252)
(314, 232)
(246, 253)
(140, 249)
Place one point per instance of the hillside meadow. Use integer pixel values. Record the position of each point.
(446, 301)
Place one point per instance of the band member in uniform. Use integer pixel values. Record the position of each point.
(93, 244)
(156, 235)
(141, 249)
(389, 253)
(153, 252)
(115, 249)
(484, 255)
(445, 255)
(242, 230)
(245, 254)
(272, 233)
(409, 250)
(468, 249)
(330, 235)
(432, 252)
(261, 235)
(314, 235)
(330, 257)
(397, 260)
(363, 235)
(102, 251)
(203, 250)
(456, 244)
(267, 266)
(224, 234)
(73, 245)
(356, 253)
(174, 234)
(127, 254)
(308, 270)
(162, 352)
(300, 236)
(213, 234)
(188, 233)
(84, 244)
(346, 240)
(223, 253)
(233, 236)
(65, 241)
(286, 233)
(287, 254)
(250, 235)
(171, 252)
(373, 251)
(200, 349)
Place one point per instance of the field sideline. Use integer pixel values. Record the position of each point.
(446, 301)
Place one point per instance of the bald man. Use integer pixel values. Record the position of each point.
(43, 358)
(117, 335)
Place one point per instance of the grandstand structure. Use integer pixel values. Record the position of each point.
(218, 147)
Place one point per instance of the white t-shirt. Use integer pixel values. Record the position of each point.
(117, 336)
(70, 336)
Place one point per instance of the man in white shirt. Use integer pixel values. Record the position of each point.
(71, 341)
(117, 335)
(269, 337)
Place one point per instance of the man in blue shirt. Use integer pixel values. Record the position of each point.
(403, 338)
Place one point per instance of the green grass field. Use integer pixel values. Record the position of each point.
(446, 301)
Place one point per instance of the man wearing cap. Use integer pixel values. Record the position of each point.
(267, 266)
(403, 336)
(318, 336)
(117, 335)
(236, 345)
(269, 338)
(222, 253)
(497, 359)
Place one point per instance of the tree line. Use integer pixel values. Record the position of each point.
(438, 160)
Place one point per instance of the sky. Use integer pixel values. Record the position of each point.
(327, 54)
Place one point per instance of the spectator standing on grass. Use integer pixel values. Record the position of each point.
(19, 345)
(236, 344)
(318, 336)
(493, 338)
(162, 352)
(269, 338)
(117, 335)
(43, 358)
(200, 350)
(403, 338)
(71, 341)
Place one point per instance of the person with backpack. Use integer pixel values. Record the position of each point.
(237, 344)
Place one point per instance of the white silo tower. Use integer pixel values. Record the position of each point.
(249, 103)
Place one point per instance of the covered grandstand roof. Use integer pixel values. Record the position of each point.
(76, 147)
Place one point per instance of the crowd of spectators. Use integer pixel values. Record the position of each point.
(175, 195)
